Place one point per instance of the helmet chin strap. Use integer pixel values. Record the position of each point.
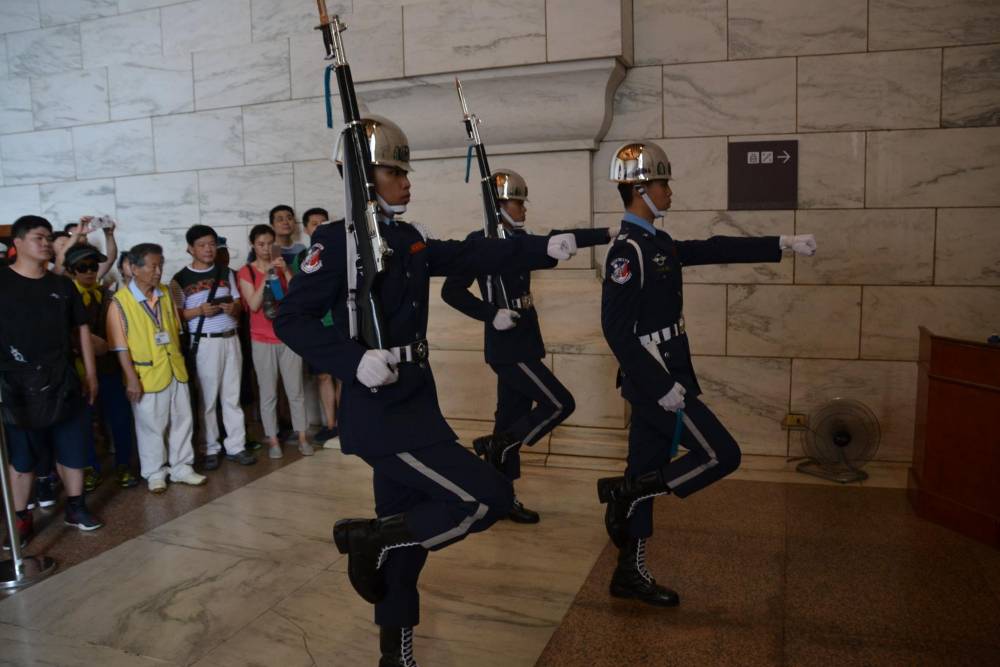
(511, 221)
(390, 210)
(657, 213)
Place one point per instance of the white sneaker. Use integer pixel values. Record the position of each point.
(274, 452)
(189, 477)
(305, 449)
(157, 485)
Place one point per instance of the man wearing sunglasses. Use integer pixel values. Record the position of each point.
(83, 263)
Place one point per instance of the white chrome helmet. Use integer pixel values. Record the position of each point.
(387, 144)
(510, 185)
(638, 162)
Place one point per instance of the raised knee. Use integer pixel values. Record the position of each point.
(568, 407)
(729, 458)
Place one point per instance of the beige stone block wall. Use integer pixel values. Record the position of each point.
(794, 321)
(864, 247)
(955, 167)
(461, 34)
(892, 315)
(870, 91)
(591, 380)
(966, 246)
(749, 396)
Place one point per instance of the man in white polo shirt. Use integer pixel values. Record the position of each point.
(208, 301)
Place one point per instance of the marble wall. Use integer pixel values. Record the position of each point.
(165, 113)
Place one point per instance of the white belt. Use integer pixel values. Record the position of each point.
(523, 302)
(664, 334)
(411, 353)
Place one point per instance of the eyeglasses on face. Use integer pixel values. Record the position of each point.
(85, 267)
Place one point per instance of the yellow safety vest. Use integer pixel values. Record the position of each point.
(155, 364)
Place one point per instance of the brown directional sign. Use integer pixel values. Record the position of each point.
(763, 175)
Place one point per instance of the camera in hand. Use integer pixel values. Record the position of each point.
(102, 222)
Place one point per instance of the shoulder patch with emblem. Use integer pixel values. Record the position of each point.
(312, 262)
(621, 270)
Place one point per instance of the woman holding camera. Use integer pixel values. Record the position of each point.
(263, 282)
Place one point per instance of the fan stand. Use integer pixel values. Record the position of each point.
(843, 475)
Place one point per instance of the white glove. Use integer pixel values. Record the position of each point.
(505, 319)
(377, 367)
(802, 244)
(673, 400)
(562, 246)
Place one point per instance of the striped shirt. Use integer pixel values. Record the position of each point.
(193, 286)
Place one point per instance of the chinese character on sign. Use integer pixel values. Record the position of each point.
(753, 157)
(767, 157)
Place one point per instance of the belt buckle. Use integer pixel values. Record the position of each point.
(420, 350)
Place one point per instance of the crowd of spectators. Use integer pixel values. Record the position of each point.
(109, 370)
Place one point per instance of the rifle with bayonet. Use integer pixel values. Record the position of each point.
(492, 226)
(367, 320)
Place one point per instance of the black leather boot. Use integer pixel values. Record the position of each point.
(492, 447)
(631, 488)
(632, 580)
(396, 645)
(616, 522)
(521, 514)
(366, 543)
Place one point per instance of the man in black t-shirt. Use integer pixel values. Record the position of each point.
(43, 400)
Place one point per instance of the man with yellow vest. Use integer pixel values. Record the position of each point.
(144, 329)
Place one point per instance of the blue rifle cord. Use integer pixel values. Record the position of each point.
(468, 163)
(678, 429)
(329, 104)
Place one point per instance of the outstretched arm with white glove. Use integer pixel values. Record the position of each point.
(800, 244)
(562, 246)
(378, 368)
(673, 400)
(505, 319)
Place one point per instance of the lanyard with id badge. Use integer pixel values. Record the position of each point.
(162, 337)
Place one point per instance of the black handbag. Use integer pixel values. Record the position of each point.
(36, 397)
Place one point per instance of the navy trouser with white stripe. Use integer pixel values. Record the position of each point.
(519, 386)
(712, 454)
(446, 492)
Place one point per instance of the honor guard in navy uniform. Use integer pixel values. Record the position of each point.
(642, 314)
(530, 400)
(429, 490)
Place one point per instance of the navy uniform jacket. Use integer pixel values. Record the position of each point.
(405, 415)
(524, 341)
(635, 302)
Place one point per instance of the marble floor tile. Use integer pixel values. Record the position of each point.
(278, 525)
(331, 474)
(482, 603)
(154, 599)
(36, 647)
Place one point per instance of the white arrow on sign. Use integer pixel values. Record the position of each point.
(784, 157)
